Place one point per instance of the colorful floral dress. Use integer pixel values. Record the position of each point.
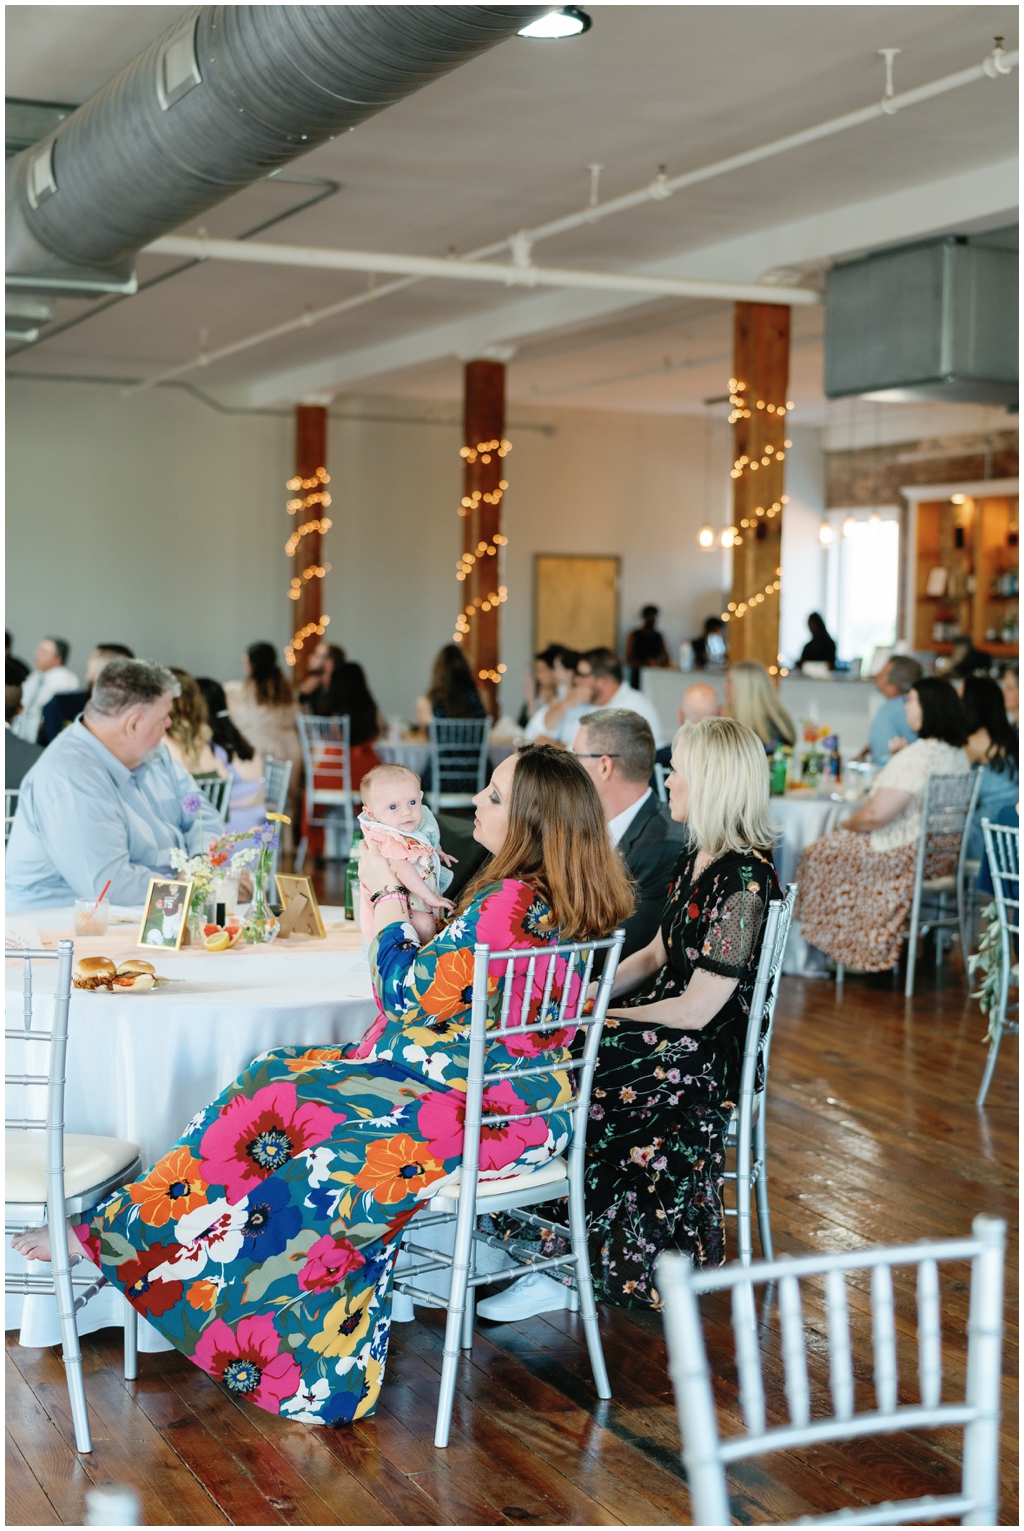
(263, 1245)
(663, 1097)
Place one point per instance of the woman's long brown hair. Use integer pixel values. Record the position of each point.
(557, 841)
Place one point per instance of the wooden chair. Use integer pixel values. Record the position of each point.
(327, 764)
(458, 757)
(542, 981)
(747, 1133)
(1002, 852)
(52, 1175)
(706, 1454)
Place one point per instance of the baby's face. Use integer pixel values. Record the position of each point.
(398, 803)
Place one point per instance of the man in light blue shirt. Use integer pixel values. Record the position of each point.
(896, 678)
(105, 799)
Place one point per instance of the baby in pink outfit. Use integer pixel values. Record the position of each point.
(396, 821)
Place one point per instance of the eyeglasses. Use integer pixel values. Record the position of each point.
(601, 755)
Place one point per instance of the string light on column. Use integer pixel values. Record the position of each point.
(484, 452)
(314, 496)
(737, 610)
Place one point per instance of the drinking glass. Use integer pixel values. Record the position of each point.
(91, 919)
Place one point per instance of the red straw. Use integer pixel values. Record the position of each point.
(102, 896)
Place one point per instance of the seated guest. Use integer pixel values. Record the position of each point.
(1010, 686)
(342, 692)
(541, 686)
(856, 884)
(668, 1072)
(263, 708)
(547, 718)
(753, 700)
(247, 804)
(453, 691)
(616, 749)
(821, 647)
(105, 800)
(993, 747)
(17, 669)
(64, 708)
(50, 676)
(599, 680)
(889, 729)
(699, 701)
(645, 647)
(312, 1347)
(967, 660)
(19, 755)
(189, 734)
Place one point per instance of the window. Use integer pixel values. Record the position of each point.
(863, 580)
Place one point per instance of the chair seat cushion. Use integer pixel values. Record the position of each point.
(88, 1162)
(545, 1174)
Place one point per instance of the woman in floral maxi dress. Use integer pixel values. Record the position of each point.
(263, 1244)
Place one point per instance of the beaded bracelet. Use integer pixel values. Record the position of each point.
(390, 891)
(383, 898)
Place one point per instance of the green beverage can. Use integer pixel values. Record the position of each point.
(779, 772)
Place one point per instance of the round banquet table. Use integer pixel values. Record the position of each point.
(140, 1066)
(800, 818)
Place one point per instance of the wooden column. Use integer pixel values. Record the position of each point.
(309, 500)
(479, 569)
(758, 395)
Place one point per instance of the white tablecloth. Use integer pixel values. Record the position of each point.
(799, 819)
(141, 1065)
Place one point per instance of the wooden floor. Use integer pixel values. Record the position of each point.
(873, 1138)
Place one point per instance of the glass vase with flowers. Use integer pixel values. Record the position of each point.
(203, 868)
(261, 923)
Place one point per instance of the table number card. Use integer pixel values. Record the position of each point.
(301, 912)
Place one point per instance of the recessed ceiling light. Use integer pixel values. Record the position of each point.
(567, 21)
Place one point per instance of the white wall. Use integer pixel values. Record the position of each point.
(803, 557)
(157, 522)
(151, 521)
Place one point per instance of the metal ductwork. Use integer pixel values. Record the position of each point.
(226, 95)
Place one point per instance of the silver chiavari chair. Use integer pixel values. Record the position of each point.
(53, 1175)
(458, 760)
(1002, 853)
(217, 791)
(946, 814)
(327, 764)
(543, 990)
(706, 1454)
(747, 1133)
(277, 780)
(661, 775)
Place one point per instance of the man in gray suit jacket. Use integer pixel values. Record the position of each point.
(616, 749)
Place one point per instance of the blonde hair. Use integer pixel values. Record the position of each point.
(557, 842)
(726, 770)
(756, 703)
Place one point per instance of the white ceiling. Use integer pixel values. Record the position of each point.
(505, 142)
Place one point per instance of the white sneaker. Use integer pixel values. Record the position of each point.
(525, 1298)
(402, 1309)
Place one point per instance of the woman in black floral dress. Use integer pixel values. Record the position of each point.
(668, 1074)
(669, 1070)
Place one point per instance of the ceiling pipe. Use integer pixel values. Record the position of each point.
(996, 64)
(427, 267)
(224, 95)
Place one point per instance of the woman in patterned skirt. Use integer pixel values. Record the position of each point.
(856, 884)
(263, 1245)
(668, 1075)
